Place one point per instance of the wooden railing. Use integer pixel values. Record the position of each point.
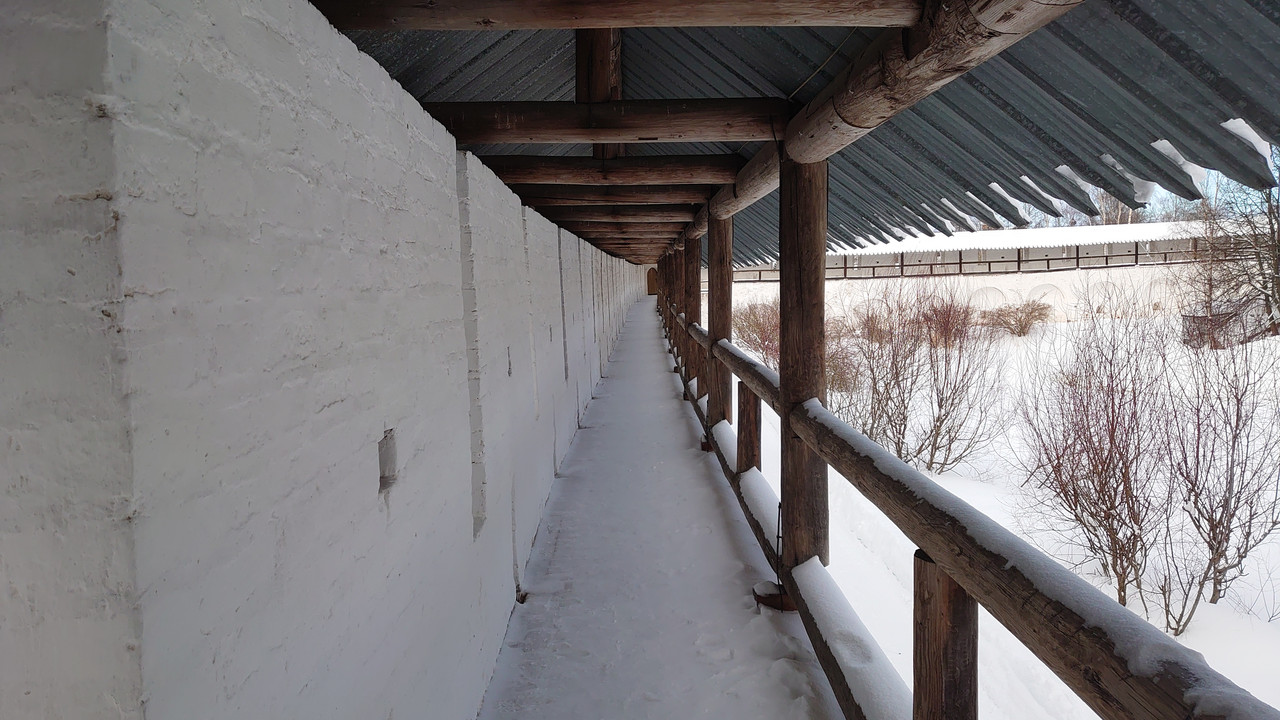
(1118, 663)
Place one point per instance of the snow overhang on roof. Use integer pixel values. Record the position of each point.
(1119, 94)
(1023, 238)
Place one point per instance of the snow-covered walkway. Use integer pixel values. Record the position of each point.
(640, 580)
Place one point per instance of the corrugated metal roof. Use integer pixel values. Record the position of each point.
(1094, 93)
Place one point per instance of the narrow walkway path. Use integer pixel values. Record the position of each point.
(640, 580)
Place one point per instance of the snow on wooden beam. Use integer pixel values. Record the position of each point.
(574, 14)
(626, 121)
(657, 170)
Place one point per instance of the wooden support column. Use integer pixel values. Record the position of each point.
(693, 307)
(802, 240)
(719, 317)
(678, 300)
(944, 646)
(599, 74)
(748, 428)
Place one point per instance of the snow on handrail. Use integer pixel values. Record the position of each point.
(1117, 662)
(762, 381)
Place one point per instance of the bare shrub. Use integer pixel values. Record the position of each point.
(959, 406)
(1093, 414)
(1019, 319)
(756, 328)
(1223, 465)
(921, 375)
(882, 340)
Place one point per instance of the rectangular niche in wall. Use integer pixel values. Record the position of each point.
(387, 461)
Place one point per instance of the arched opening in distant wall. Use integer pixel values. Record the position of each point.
(651, 281)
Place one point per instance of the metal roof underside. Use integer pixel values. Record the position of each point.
(1092, 93)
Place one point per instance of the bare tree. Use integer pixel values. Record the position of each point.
(1237, 233)
(1092, 414)
(1224, 473)
(960, 413)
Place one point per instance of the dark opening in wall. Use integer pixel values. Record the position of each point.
(387, 461)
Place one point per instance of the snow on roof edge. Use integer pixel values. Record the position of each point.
(1032, 238)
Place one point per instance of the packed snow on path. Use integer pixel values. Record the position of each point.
(640, 580)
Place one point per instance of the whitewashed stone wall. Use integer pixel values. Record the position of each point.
(69, 636)
(240, 255)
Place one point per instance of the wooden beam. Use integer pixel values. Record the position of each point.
(624, 121)
(719, 317)
(895, 72)
(574, 14)
(802, 241)
(623, 213)
(598, 74)
(656, 170)
(670, 229)
(539, 196)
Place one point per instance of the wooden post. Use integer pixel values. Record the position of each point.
(599, 74)
(748, 428)
(944, 647)
(678, 298)
(719, 316)
(802, 235)
(693, 306)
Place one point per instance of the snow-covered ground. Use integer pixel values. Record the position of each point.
(871, 560)
(639, 582)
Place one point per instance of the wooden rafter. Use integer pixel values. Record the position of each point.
(892, 74)
(658, 170)
(575, 14)
(628, 121)
(624, 213)
(569, 195)
(598, 78)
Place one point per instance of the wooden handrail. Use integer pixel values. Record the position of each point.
(762, 381)
(1118, 663)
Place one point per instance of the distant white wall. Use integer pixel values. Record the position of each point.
(278, 257)
(1059, 289)
(69, 635)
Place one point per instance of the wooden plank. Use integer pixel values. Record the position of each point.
(802, 241)
(944, 646)
(625, 213)
(625, 121)
(655, 170)
(574, 14)
(719, 316)
(539, 196)
(896, 71)
(598, 78)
